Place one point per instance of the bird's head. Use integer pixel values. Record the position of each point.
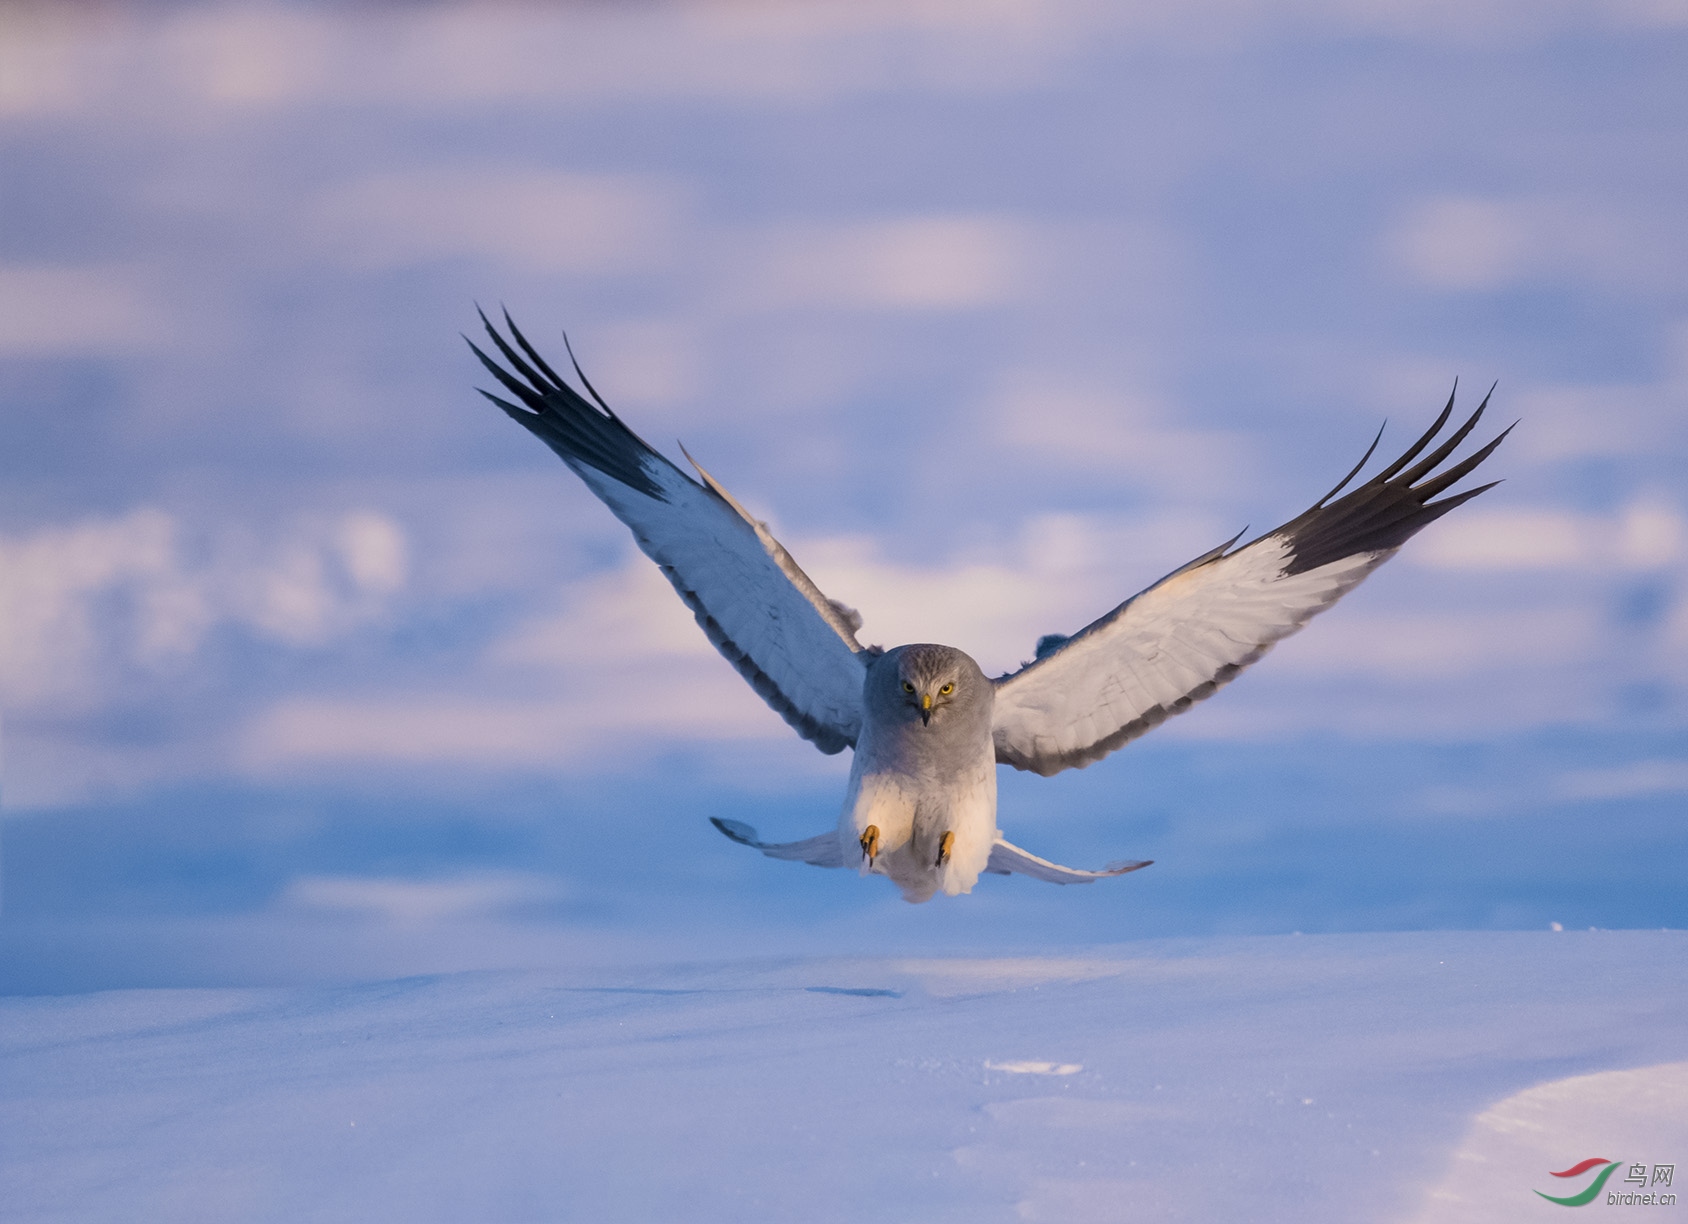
(930, 678)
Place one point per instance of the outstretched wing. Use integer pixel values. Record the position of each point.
(797, 648)
(1163, 650)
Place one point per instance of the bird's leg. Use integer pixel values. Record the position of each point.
(946, 843)
(870, 843)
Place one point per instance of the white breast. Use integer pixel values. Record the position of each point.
(913, 798)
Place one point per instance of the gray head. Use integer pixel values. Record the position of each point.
(927, 683)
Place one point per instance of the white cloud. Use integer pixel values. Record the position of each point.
(205, 62)
(537, 220)
(77, 601)
(51, 584)
(407, 901)
(1568, 422)
(1455, 243)
(629, 715)
(54, 762)
(1511, 539)
(1426, 647)
(48, 310)
(1649, 533)
(249, 55)
(1636, 780)
(462, 54)
(625, 615)
(1649, 14)
(648, 363)
(1129, 436)
(241, 57)
(905, 263)
(41, 58)
(319, 581)
(372, 548)
(1477, 243)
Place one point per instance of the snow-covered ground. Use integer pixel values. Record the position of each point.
(1430, 1076)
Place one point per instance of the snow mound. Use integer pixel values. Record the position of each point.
(1637, 1117)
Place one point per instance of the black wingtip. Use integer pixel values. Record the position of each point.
(1355, 470)
(528, 348)
(1416, 447)
(1458, 499)
(533, 399)
(1388, 509)
(1436, 457)
(584, 381)
(1435, 485)
(521, 415)
(572, 426)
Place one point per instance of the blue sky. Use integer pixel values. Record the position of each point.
(313, 665)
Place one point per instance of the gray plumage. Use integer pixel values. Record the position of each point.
(927, 726)
(924, 766)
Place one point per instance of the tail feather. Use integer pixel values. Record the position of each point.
(821, 850)
(1009, 859)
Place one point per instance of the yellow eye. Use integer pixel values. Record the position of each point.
(907, 687)
(946, 690)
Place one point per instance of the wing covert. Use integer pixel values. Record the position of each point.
(794, 646)
(1193, 631)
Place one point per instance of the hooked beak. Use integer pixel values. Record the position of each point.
(926, 709)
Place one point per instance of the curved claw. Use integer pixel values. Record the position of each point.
(945, 844)
(870, 843)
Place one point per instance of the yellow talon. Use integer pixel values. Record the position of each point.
(870, 843)
(945, 845)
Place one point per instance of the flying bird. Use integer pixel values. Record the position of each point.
(928, 728)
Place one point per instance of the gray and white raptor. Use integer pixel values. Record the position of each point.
(927, 726)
